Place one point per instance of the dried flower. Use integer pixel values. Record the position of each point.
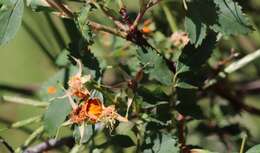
(94, 111)
(76, 83)
(179, 39)
(76, 87)
(77, 115)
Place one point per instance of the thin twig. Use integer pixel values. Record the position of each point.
(37, 133)
(22, 123)
(99, 27)
(142, 11)
(51, 144)
(61, 8)
(243, 143)
(118, 23)
(10, 149)
(250, 87)
(29, 91)
(96, 26)
(25, 101)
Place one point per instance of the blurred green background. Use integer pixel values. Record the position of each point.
(28, 60)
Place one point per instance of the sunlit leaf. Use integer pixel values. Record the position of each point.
(11, 12)
(155, 65)
(231, 19)
(254, 149)
(56, 114)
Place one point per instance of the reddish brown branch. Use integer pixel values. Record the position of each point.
(181, 133)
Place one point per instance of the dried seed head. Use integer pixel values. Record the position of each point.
(179, 39)
(109, 117)
(90, 111)
(76, 83)
(94, 111)
(77, 115)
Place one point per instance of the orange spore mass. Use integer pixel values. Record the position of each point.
(146, 30)
(52, 90)
(90, 110)
(93, 109)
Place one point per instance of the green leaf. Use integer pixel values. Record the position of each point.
(63, 58)
(231, 19)
(55, 82)
(11, 12)
(59, 108)
(155, 65)
(189, 75)
(97, 94)
(192, 58)
(122, 141)
(125, 132)
(59, 82)
(196, 30)
(88, 132)
(39, 5)
(152, 96)
(197, 21)
(188, 105)
(82, 23)
(124, 127)
(161, 144)
(255, 149)
(56, 114)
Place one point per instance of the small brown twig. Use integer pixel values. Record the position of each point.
(142, 11)
(96, 26)
(99, 27)
(60, 7)
(117, 22)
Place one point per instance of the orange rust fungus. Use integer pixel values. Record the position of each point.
(52, 90)
(91, 110)
(146, 30)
